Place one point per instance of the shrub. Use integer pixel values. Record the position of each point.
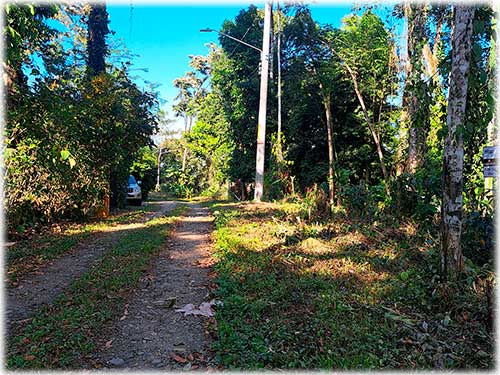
(417, 195)
(358, 201)
(315, 203)
(478, 238)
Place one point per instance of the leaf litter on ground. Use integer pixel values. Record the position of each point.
(204, 309)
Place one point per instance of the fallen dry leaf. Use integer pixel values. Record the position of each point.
(178, 358)
(125, 313)
(204, 309)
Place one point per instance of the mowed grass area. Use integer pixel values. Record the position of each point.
(63, 334)
(341, 295)
(29, 254)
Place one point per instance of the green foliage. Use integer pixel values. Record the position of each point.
(66, 133)
(478, 238)
(235, 78)
(209, 140)
(316, 203)
(144, 169)
(277, 183)
(416, 195)
(480, 109)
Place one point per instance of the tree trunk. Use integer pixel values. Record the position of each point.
(369, 122)
(453, 156)
(187, 128)
(403, 117)
(371, 126)
(184, 159)
(278, 15)
(96, 44)
(328, 115)
(97, 25)
(437, 39)
(416, 90)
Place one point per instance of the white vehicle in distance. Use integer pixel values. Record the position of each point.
(134, 194)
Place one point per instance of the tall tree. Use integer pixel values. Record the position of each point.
(366, 51)
(97, 29)
(96, 43)
(324, 69)
(191, 91)
(416, 94)
(453, 158)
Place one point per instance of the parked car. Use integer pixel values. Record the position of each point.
(134, 194)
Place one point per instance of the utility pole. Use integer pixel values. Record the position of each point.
(261, 125)
(160, 151)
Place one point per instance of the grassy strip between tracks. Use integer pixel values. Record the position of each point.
(28, 255)
(59, 335)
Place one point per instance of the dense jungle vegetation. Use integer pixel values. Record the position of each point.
(385, 106)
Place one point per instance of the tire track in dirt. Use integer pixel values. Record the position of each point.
(56, 276)
(150, 330)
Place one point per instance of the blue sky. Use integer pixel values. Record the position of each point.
(164, 35)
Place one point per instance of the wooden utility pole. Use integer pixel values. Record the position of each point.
(158, 187)
(261, 126)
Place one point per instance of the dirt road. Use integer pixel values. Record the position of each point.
(150, 333)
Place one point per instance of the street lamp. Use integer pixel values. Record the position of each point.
(261, 125)
(230, 37)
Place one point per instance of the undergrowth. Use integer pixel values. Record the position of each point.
(341, 295)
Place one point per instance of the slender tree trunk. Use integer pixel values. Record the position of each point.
(416, 90)
(453, 156)
(278, 15)
(184, 159)
(328, 115)
(403, 117)
(371, 126)
(184, 155)
(437, 39)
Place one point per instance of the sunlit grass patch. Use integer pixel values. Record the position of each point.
(338, 295)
